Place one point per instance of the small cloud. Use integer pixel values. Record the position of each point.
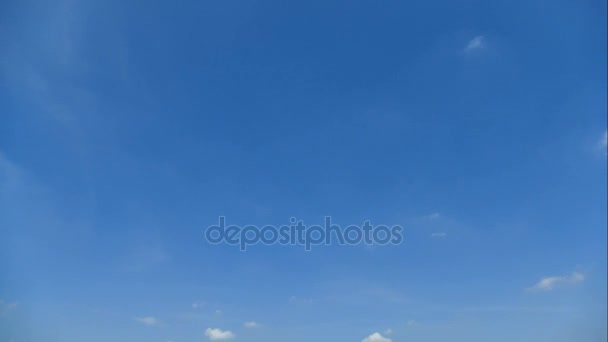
(149, 321)
(251, 324)
(376, 337)
(475, 44)
(433, 216)
(215, 334)
(197, 305)
(388, 332)
(218, 312)
(603, 143)
(439, 235)
(550, 283)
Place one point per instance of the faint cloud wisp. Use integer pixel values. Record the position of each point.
(251, 324)
(148, 321)
(550, 283)
(475, 44)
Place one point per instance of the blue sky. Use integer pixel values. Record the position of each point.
(127, 128)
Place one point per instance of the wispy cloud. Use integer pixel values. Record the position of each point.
(551, 283)
(198, 304)
(433, 216)
(603, 143)
(376, 337)
(475, 44)
(251, 324)
(297, 300)
(10, 174)
(32, 217)
(42, 63)
(439, 235)
(148, 321)
(215, 334)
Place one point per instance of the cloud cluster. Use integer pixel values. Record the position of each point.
(215, 334)
(376, 337)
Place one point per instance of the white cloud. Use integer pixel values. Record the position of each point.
(251, 324)
(376, 337)
(604, 140)
(218, 335)
(474, 44)
(550, 283)
(388, 332)
(149, 321)
(439, 235)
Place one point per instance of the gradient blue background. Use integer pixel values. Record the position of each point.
(126, 128)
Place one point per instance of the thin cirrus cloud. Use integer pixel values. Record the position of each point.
(433, 216)
(550, 283)
(439, 235)
(475, 44)
(376, 337)
(251, 324)
(198, 304)
(215, 334)
(148, 321)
